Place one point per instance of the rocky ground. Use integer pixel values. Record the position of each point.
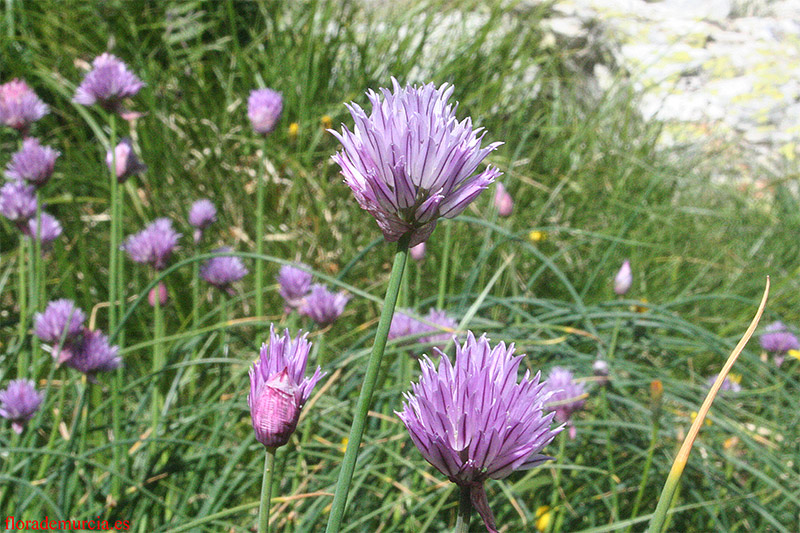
(724, 76)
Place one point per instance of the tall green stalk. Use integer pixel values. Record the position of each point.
(266, 491)
(114, 270)
(367, 388)
(464, 511)
(448, 228)
(158, 364)
(260, 233)
(22, 302)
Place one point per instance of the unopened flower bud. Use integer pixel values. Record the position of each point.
(624, 279)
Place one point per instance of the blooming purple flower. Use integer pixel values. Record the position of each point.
(279, 388)
(264, 109)
(19, 402)
(50, 228)
(17, 201)
(201, 215)
(445, 328)
(295, 284)
(436, 321)
(92, 355)
(417, 252)
(19, 105)
(33, 163)
(503, 201)
(567, 395)
(778, 340)
(472, 421)
(124, 161)
(60, 319)
(322, 305)
(154, 244)
(223, 270)
(410, 161)
(624, 279)
(108, 83)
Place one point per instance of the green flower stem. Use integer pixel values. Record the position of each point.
(554, 496)
(646, 473)
(22, 302)
(260, 186)
(443, 269)
(464, 511)
(158, 365)
(113, 255)
(195, 325)
(367, 388)
(668, 493)
(266, 491)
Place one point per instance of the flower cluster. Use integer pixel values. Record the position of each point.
(223, 270)
(779, 340)
(410, 161)
(264, 109)
(73, 344)
(33, 163)
(295, 284)
(19, 106)
(154, 244)
(19, 402)
(473, 421)
(107, 84)
(279, 388)
(322, 305)
(202, 214)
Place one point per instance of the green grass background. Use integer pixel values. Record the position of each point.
(583, 168)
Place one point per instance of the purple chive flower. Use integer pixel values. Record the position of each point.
(32, 163)
(17, 201)
(473, 421)
(201, 215)
(295, 284)
(567, 395)
(107, 84)
(125, 161)
(19, 105)
(223, 270)
(279, 388)
(778, 340)
(444, 331)
(410, 161)
(92, 355)
(264, 109)
(19, 402)
(60, 319)
(503, 201)
(154, 244)
(322, 305)
(624, 279)
(417, 252)
(50, 228)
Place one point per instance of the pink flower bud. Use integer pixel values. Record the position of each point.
(503, 201)
(162, 295)
(276, 411)
(624, 279)
(418, 252)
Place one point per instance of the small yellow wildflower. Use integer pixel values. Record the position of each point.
(294, 128)
(543, 518)
(343, 446)
(537, 236)
(326, 122)
(707, 421)
(794, 353)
